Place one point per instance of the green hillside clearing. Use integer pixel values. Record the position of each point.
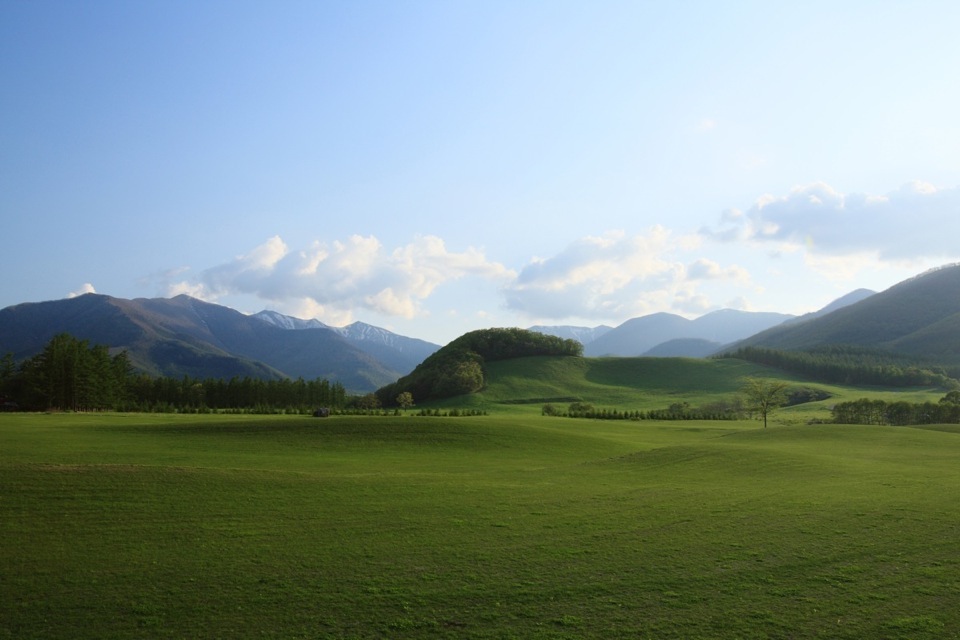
(526, 384)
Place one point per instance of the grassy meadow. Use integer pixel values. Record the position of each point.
(509, 525)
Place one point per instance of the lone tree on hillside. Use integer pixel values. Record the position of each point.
(764, 396)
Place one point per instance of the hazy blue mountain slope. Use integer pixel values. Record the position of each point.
(684, 348)
(727, 325)
(638, 335)
(917, 316)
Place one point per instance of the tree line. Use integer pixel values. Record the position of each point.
(676, 411)
(899, 412)
(70, 374)
(844, 364)
(758, 397)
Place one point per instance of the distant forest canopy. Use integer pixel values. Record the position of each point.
(71, 375)
(457, 368)
(845, 364)
(899, 413)
(503, 344)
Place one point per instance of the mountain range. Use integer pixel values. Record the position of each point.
(638, 336)
(671, 335)
(185, 336)
(583, 335)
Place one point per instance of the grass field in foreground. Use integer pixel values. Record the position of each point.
(501, 526)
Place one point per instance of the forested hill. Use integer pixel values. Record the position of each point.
(458, 368)
(918, 317)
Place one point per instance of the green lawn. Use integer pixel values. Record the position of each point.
(499, 526)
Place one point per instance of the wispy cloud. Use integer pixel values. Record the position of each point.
(911, 223)
(704, 269)
(334, 279)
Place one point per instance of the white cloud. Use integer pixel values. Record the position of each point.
(267, 255)
(842, 268)
(704, 269)
(391, 303)
(185, 287)
(687, 301)
(86, 287)
(909, 224)
(739, 303)
(615, 276)
(333, 281)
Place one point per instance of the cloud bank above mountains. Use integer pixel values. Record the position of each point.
(613, 276)
(616, 276)
(906, 224)
(333, 280)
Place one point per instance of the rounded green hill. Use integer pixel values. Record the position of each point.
(458, 368)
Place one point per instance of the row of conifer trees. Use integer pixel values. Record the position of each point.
(72, 375)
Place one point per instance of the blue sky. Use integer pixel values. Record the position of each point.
(438, 167)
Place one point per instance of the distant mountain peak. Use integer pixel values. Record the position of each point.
(282, 321)
(366, 332)
(846, 300)
(399, 352)
(843, 301)
(583, 335)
